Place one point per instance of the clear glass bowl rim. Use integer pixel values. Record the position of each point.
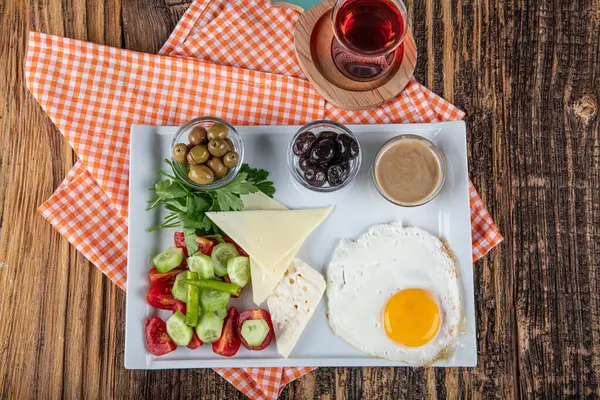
(232, 172)
(436, 151)
(355, 163)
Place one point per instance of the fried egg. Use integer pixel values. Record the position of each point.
(394, 293)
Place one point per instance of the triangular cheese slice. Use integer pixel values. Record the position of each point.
(260, 201)
(269, 236)
(264, 280)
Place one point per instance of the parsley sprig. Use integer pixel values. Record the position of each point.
(188, 206)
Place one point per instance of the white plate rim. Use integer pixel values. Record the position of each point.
(133, 358)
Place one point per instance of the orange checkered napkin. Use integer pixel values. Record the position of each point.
(88, 88)
(94, 93)
(81, 212)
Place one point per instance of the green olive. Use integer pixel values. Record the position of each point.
(198, 135)
(190, 160)
(231, 159)
(217, 131)
(218, 147)
(230, 143)
(217, 166)
(201, 174)
(179, 152)
(198, 154)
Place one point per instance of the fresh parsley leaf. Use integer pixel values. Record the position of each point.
(215, 205)
(239, 185)
(188, 222)
(169, 190)
(266, 187)
(175, 205)
(254, 175)
(190, 240)
(196, 206)
(213, 228)
(259, 178)
(229, 202)
(188, 205)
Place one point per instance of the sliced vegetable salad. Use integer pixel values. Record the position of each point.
(197, 289)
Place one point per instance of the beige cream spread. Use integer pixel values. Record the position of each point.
(408, 171)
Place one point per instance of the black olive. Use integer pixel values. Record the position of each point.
(327, 135)
(315, 176)
(347, 147)
(304, 143)
(304, 163)
(323, 151)
(338, 173)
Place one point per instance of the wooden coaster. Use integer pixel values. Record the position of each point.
(313, 38)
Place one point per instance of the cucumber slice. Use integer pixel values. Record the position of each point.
(254, 331)
(179, 290)
(202, 264)
(168, 259)
(212, 300)
(178, 330)
(220, 254)
(238, 269)
(221, 313)
(210, 327)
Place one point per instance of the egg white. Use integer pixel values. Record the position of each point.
(365, 273)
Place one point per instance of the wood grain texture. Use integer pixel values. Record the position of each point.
(527, 72)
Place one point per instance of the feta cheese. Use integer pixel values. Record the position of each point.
(293, 303)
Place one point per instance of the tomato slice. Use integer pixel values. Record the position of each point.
(195, 343)
(205, 245)
(179, 306)
(166, 278)
(179, 238)
(158, 341)
(229, 343)
(160, 296)
(256, 314)
(226, 278)
(227, 239)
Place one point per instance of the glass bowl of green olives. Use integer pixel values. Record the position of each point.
(207, 153)
(324, 156)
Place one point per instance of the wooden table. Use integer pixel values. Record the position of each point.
(528, 75)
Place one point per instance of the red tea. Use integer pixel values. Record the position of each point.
(369, 26)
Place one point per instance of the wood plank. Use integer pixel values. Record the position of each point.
(527, 72)
(33, 278)
(478, 90)
(556, 149)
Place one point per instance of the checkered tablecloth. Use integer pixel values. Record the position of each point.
(226, 58)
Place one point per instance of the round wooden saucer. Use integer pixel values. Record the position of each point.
(313, 38)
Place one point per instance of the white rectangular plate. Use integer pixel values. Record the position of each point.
(357, 207)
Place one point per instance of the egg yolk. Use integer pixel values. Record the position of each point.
(412, 317)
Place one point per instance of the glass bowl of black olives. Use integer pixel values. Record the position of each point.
(324, 156)
(207, 153)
